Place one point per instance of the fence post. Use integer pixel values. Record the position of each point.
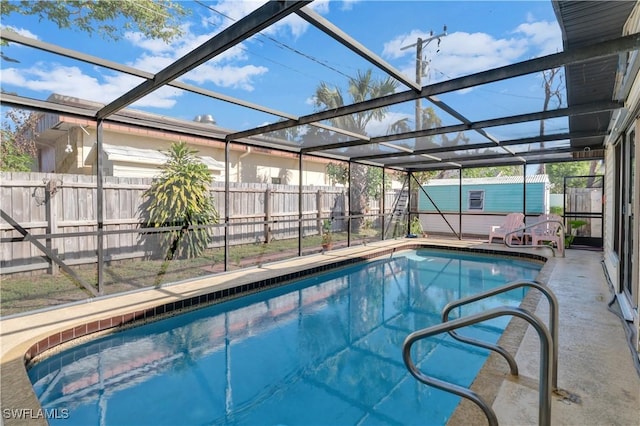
(319, 210)
(267, 215)
(52, 222)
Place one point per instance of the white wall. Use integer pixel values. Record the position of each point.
(245, 165)
(472, 224)
(556, 200)
(611, 261)
(610, 257)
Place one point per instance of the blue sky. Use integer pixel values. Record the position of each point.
(281, 67)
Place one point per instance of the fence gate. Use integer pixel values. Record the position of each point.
(583, 213)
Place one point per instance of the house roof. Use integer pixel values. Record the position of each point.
(599, 60)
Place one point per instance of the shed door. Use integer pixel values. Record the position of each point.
(583, 209)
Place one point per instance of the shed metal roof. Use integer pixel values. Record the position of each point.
(499, 180)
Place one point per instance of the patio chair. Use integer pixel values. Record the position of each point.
(512, 222)
(548, 232)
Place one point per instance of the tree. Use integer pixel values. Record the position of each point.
(337, 173)
(429, 120)
(550, 92)
(558, 171)
(425, 176)
(481, 172)
(361, 88)
(179, 197)
(11, 160)
(17, 147)
(158, 19)
(554, 90)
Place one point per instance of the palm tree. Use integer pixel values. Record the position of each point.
(361, 88)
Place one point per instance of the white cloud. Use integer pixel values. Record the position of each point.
(292, 23)
(375, 127)
(227, 12)
(50, 78)
(348, 4)
(227, 75)
(151, 45)
(165, 97)
(180, 47)
(235, 9)
(310, 100)
(320, 6)
(394, 48)
(224, 70)
(462, 53)
(152, 64)
(72, 81)
(546, 36)
(457, 54)
(21, 31)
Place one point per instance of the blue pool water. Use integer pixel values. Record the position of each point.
(323, 351)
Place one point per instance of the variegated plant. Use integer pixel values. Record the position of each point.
(179, 200)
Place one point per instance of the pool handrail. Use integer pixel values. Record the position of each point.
(544, 399)
(553, 249)
(553, 324)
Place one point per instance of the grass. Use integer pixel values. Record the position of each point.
(22, 293)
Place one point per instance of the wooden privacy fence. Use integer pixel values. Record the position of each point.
(64, 207)
(584, 204)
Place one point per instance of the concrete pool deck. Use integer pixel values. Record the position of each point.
(595, 363)
(598, 382)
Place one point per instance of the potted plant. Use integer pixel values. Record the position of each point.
(415, 229)
(327, 237)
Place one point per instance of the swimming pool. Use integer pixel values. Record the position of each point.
(323, 351)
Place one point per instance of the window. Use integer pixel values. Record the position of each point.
(276, 180)
(476, 200)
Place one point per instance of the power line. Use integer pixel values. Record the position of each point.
(419, 44)
(280, 44)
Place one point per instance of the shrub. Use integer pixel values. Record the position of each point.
(180, 197)
(326, 232)
(556, 210)
(416, 226)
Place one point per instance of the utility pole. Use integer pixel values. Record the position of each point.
(420, 43)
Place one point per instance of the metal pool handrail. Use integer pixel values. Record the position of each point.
(544, 409)
(515, 231)
(553, 324)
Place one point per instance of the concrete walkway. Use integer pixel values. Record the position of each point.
(597, 379)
